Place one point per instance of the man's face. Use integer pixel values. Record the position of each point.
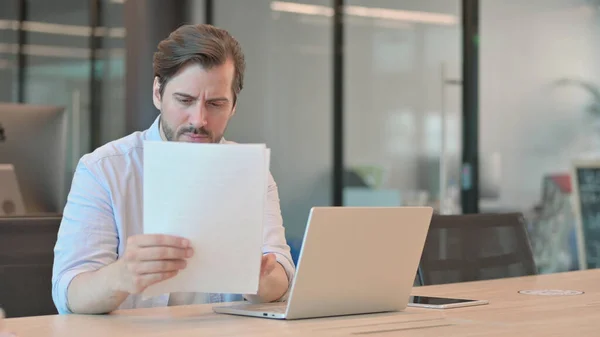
(196, 103)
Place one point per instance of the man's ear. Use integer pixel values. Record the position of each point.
(233, 110)
(235, 103)
(156, 93)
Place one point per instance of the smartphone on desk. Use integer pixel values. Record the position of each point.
(442, 302)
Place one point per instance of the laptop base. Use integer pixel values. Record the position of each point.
(270, 310)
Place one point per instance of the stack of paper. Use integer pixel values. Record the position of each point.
(215, 196)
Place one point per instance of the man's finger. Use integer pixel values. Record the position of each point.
(144, 281)
(163, 266)
(151, 240)
(266, 259)
(268, 264)
(162, 253)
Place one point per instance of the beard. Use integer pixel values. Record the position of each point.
(176, 135)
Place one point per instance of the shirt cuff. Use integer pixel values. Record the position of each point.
(61, 298)
(289, 271)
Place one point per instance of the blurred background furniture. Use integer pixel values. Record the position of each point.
(472, 247)
(26, 258)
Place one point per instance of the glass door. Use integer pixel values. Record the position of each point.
(402, 103)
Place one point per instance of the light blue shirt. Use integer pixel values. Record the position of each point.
(105, 207)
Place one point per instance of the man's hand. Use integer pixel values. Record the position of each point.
(267, 265)
(273, 282)
(150, 259)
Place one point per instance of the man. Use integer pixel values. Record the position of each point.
(102, 260)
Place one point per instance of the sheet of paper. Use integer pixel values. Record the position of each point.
(214, 195)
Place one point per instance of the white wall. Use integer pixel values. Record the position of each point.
(536, 125)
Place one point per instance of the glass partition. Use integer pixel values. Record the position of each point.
(402, 103)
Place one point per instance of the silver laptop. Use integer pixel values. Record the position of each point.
(353, 260)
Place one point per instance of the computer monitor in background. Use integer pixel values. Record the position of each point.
(33, 138)
(11, 200)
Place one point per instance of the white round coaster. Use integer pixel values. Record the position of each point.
(551, 292)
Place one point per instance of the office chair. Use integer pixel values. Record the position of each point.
(473, 247)
(419, 278)
(26, 258)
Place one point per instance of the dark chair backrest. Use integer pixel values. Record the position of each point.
(473, 247)
(26, 258)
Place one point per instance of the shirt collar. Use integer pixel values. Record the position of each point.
(153, 133)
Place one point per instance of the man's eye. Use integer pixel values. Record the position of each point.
(185, 100)
(216, 104)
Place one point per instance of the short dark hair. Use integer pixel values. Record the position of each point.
(204, 44)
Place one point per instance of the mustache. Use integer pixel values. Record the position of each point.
(194, 130)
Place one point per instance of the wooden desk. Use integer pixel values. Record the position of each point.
(508, 314)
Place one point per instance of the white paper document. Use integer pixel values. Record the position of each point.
(215, 196)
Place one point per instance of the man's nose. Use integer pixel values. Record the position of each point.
(198, 116)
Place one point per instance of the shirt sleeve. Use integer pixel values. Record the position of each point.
(87, 239)
(274, 237)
